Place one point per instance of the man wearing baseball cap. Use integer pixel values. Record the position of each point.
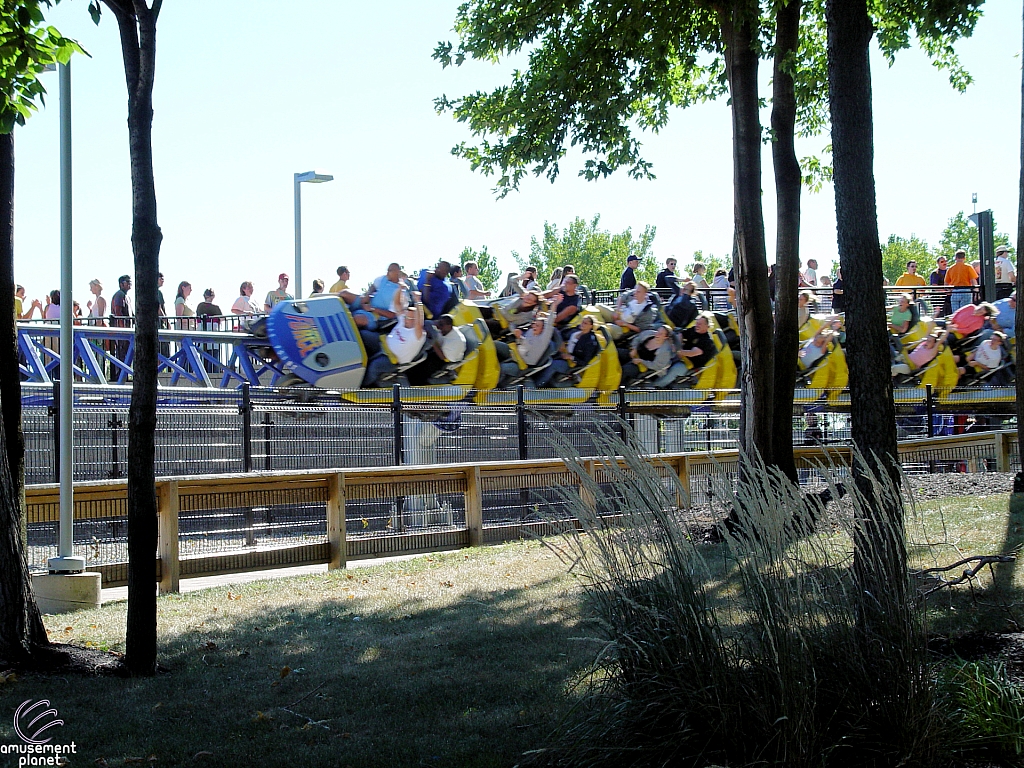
(1006, 275)
(279, 294)
(628, 280)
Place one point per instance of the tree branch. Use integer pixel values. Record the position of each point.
(980, 561)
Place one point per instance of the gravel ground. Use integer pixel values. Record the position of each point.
(941, 486)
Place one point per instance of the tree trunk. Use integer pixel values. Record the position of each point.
(21, 628)
(138, 46)
(1018, 481)
(873, 417)
(787, 243)
(10, 376)
(880, 562)
(754, 304)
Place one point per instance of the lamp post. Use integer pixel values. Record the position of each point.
(66, 562)
(313, 178)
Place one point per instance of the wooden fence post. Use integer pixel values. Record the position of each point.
(684, 478)
(587, 496)
(168, 507)
(1003, 450)
(474, 507)
(336, 530)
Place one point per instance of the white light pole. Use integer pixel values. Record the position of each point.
(313, 178)
(66, 562)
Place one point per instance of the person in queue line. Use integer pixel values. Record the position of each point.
(805, 303)
(667, 277)
(838, 294)
(456, 284)
(434, 289)
(244, 305)
(962, 277)
(938, 276)
(279, 294)
(97, 306)
(19, 304)
(448, 346)
(121, 313)
(695, 351)
(720, 285)
(318, 288)
(578, 350)
(1006, 274)
(342, 282)
(910, 278)
(405, 340)
(474, 285)
(531, 345)
(52, 309)
(182, 310)
(809, 276)
(699, 279)
(627, 281)
(825, 297)
(207, 308)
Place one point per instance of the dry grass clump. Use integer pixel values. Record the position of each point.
(761, 650)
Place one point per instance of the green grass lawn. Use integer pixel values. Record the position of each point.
(457, 659)
(467, 659)
(946, 530)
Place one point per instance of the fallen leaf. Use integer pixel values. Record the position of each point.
(156, 706)
(69, 629)
(204, 753)
(210, 645)
(101, 762)
(285, 671)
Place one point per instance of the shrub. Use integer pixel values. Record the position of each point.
(762, 649)
(985, 710)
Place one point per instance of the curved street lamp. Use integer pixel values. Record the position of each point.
(311, 177)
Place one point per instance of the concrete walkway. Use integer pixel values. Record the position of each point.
(115, 594)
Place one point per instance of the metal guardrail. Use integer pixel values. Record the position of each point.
(264, 429)
(231, 523)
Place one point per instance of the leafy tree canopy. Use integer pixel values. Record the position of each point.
(960, 233)
(598, 72)
(899, 250)
(490, 272)
(597, 255)
(27, 47)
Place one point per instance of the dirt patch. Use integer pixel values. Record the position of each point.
(64, 659)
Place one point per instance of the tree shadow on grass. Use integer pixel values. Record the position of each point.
(473, 682)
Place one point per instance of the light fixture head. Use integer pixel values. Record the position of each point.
(313, 177)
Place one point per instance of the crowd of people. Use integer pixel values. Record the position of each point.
(542, 339)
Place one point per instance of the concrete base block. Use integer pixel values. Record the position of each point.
(63, 593)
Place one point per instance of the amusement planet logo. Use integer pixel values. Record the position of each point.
(32, 722)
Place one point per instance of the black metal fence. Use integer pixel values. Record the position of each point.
(245, 430)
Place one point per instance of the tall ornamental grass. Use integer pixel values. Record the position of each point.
(758, 650)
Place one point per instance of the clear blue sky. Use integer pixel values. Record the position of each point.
(247, 93)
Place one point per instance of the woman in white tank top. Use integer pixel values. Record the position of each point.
(98, 306)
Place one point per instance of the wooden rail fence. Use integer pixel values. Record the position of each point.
(219, 524)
